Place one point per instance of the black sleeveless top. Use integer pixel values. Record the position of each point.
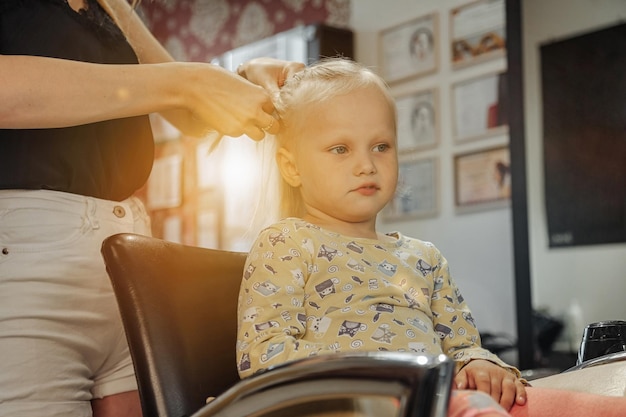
(108, 160)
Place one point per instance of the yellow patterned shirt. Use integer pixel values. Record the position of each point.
(308, 291)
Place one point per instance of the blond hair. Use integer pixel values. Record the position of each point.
(328, 78)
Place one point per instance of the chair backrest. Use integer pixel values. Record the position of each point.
(179, 308)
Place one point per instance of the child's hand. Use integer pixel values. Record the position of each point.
(503, 386)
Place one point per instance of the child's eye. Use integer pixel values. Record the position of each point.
(381, 147)
(339, 149)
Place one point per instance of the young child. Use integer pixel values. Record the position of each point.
(324, 280)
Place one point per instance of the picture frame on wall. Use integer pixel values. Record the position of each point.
(477, 32)
(483, 178)
(480, 107)
(418, 120)
(409, 49)
(417, 192)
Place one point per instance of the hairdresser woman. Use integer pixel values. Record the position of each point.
(75, 143)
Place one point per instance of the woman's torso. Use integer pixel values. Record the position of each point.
(109, 159)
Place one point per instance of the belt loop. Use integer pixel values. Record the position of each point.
(91, 213)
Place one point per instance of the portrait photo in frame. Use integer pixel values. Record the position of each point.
(418, 120)
(416, 194)
(480, 107)
(483, 178)
(477, 32)
(409, 49)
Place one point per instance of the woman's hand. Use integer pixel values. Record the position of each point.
(502, 385)
(269, 73)
(221, 101)
(234, 105)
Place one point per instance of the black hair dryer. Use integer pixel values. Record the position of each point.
(602, 338)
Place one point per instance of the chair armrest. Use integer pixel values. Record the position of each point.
(413, 385)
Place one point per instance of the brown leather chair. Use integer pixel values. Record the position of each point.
(179, 308)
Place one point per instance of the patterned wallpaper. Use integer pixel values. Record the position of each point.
(198, 30)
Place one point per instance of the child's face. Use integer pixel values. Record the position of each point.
(346, 157)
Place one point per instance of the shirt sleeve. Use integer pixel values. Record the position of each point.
(453, 321)
(271, 314)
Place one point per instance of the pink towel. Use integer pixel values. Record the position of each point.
(466, 403)
(547, 402)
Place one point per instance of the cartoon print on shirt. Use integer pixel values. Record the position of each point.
(327, 287)
(417, 347)
(357, 279)
(272, 350)
(319, 325)
(328, 253)
(381, 308)
(301, 317)
(383, 335)
(261, 327)
(351, 328)
(418, 324)
(387, 268)
(250, 314)
(438, 283)
(402, 256)
(424, 267)
(444, 331)
(276, 238)
(354, 247)
(458, 295)
(468, 318)
(270, 269)
(298, 277)
(244, 362)
(355, 265)
(411, 301)
(307, 244)
(249, 271)
(265, 288)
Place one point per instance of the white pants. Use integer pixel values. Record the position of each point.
(62, 343)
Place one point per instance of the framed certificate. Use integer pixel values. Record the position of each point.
(477, 32)
(482, 177)
(480, 107)
(416, 194)
(410, 49)
(418, 120)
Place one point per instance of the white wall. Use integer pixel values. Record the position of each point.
(477, 245)
(595, 275)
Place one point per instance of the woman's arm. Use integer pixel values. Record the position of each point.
(38, 92)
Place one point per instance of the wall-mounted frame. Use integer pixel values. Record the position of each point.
(409, 49)
(477, 32)
(480, 107)
(417, 192)
(418, 120)
(482, 178)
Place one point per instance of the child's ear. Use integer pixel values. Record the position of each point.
(287, 167)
